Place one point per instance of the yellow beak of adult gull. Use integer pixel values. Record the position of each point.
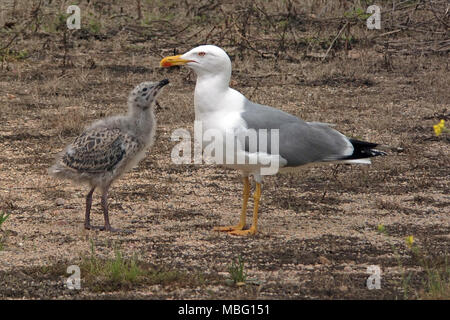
(172, 61)
(296, 143)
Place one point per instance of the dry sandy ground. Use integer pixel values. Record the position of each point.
(318, 229)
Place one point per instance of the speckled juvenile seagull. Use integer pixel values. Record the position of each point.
(109, 147)
(222, 109)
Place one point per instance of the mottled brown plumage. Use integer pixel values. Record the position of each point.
(100, 150)
(110, 147)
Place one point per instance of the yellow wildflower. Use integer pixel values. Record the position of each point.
(409, 241)
(437, 129)
(440, 127)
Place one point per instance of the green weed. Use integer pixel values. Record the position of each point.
(237, 272)
(3, 217)
(436, 280)
(123, 273)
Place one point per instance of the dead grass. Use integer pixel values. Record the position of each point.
(121, 273)
(433, 272)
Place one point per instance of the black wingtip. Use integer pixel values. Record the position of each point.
(363, 149)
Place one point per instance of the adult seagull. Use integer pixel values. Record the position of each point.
(223, 109)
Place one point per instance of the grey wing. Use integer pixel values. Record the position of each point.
(300, 142)
(98, 150)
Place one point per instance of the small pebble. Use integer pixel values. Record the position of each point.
(348, 269)
(324, 260)
(343, 288)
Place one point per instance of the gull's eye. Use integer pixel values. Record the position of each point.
(201, 54)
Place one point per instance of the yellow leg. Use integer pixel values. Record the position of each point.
(254, 228)
(241, 225)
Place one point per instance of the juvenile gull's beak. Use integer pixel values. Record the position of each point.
(162, 83)
(156, 90)
(159, 86)
(174, 61)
